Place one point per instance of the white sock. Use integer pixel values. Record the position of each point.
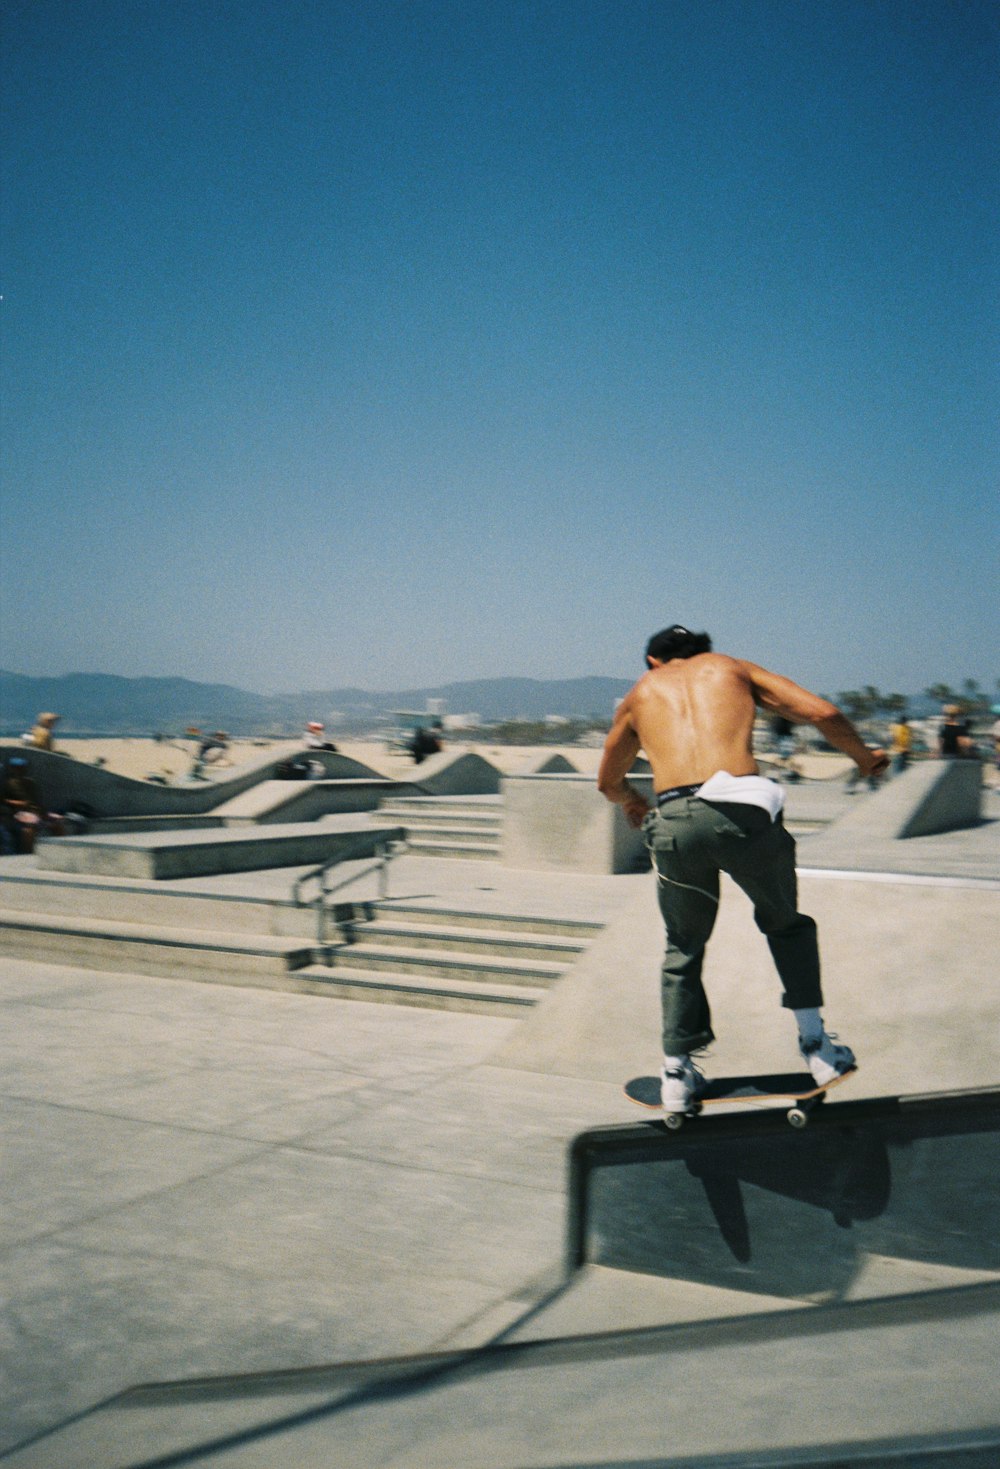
(810, 1023)
(675, 1063)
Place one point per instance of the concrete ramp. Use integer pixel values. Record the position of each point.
(930, 797)
(65, 783)
(303, 800)
(909, 974)
(450, 774)
(552, 765)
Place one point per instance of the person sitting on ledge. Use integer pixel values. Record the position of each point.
(315, 737)
(692, 714)
(40, 737)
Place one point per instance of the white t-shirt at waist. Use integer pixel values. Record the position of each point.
(744, 790)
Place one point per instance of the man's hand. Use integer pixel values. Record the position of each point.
(635, 806)
(841, 734)
(876, 764)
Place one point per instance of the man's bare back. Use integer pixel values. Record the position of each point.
(695, 716)
(692, 717)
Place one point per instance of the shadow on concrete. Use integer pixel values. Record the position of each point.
(874, 1198)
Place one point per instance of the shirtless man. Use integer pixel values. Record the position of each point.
(693, 714)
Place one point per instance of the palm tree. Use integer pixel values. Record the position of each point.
(942, 693)
(855, 703)
(974, 696)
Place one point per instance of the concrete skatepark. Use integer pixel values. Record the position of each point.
(324, 1231)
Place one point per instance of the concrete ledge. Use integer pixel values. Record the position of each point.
(563, 823)
(199, 854)
(127, 825)
(304, 800)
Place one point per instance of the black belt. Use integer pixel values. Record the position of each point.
(676, 792)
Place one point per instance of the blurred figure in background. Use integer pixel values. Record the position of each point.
(40, 737)
(902, 745)
(315, 737)
(24, 817)
(955, 735)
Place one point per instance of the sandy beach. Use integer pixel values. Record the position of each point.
(171, 758)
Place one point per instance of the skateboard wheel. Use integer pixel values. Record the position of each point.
(798, 1116)
(674, 1120)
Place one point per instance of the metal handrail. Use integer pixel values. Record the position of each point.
(385, 849)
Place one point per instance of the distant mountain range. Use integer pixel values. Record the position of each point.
(105, 704)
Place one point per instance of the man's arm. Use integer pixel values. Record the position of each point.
(781, 696)
(620, 749)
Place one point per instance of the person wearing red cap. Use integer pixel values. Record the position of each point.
(314, 737)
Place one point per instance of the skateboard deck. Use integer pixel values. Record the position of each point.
(794, 1090)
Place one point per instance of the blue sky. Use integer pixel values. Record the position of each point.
(387, 342)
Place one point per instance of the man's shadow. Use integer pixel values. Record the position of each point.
(849, 1177)
(800, 1214)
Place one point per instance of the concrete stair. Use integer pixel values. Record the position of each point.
(451, 959)
(466, 827)
(387, 952)
(145, 948)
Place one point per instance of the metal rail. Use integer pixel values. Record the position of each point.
(384, 849)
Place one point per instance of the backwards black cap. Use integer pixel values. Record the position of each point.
(677, 642)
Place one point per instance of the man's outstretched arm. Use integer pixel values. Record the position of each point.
(781, 696)
(620, 749)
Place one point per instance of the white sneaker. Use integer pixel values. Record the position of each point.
(826, 1060)
(680, 1086)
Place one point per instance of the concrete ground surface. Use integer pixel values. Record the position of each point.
(204, 1180)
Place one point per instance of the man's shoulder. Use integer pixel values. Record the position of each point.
(725, 665)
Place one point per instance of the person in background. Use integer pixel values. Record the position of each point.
(315, 737)
(213, 747)
(902, 745)
(424, 742)
(955, 735)
(25, 818)
(40, 737)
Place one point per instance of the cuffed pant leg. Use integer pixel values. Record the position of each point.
(769, 881)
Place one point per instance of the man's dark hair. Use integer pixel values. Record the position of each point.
(677, 642)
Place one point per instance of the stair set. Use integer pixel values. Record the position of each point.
(382, 951)
(466, 827)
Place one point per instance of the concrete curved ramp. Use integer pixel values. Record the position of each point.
(64, 782)
(450, 774)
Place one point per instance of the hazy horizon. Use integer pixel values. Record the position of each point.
(990, 688)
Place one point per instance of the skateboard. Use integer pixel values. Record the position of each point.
(795, 1090)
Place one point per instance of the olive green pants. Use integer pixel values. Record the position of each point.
(691, 842)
